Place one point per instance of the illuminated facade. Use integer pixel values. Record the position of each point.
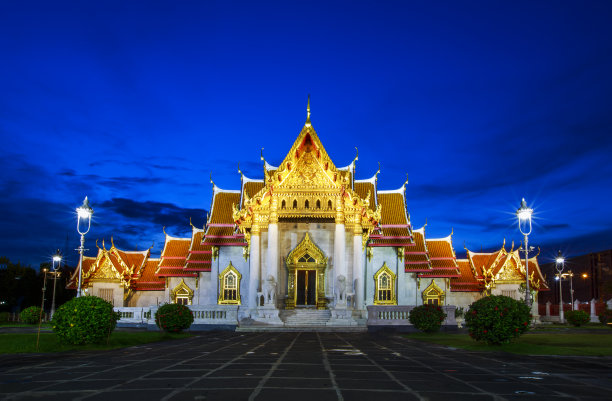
(310, 236)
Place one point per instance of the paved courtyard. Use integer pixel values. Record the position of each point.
(301, 366)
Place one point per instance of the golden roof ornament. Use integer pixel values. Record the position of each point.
(308, 111)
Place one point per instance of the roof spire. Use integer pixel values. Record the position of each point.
(308, 111)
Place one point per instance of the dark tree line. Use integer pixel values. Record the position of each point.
(21, 286)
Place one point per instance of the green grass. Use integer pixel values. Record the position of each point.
(531, 344)
(18, 324)
(13, 343)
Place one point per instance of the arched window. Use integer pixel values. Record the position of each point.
(433, 294)
(329, 204)
(284, 204)
(306, 204)
(318, 203)
(295, 203)
(229, 280)
(384, 280)
(181, 294)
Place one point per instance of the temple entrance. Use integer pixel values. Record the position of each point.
(306, 266)
(306, 291)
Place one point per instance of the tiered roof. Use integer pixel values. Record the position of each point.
(416, 257)
(173, 257)
(133, 269)
(442, 258)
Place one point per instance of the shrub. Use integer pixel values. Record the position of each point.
(84, 320)
(4, 317)
(577, 317)
(606, 317)
(427, 318)
(173, 318)
(497, 319)
(30, 315)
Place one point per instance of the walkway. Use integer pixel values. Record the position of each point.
(301, 366)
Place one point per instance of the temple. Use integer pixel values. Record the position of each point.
(307, 244)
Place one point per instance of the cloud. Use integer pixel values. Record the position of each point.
(157, 213)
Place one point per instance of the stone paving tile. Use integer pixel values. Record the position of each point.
(229, 383)
(437, 396)
(356, 384)
(132, 395)
(305, 383)
(212, 395)
(361, 395)
(165, 383)
(284, 394)
(83, 385)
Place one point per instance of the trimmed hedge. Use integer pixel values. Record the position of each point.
(427, 318)
(84, 320)
(30, 315)
(577, 317)
(173, 318)
(497, 319)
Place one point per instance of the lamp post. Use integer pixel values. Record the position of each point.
(57, 258)
(560, 265)
(42, 306)
(84, 213)
(524, 221)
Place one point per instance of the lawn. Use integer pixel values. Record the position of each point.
(12, 343)
(531, 344)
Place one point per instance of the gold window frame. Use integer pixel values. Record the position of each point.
(183, 291)
(230, 270)
(383, 272)
(433, 292)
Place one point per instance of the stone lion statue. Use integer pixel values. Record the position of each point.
(269, 290)
(341, 289)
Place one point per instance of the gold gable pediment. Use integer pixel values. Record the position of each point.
(308, 174)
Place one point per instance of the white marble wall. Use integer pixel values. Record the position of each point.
(118, 291)
(146, 298)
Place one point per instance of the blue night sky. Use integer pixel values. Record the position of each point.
(135, 103)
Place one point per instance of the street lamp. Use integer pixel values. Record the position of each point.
(524, 221)
(42, 306)
(57, 263)
(84, 213)
(560, 265)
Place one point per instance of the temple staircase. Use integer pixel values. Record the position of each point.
(305, 317)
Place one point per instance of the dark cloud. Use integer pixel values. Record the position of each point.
(157, 213)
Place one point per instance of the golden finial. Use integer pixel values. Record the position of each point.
(308, 110)
(211, 180)
(452, 231)
(190, 223)
(406, 182)
(103, 246)
(152, 245)
(239, 171)
(112, 242)
(377, 172)
(164, 230)
(97, 243)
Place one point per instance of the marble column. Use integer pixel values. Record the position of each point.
(254, 272)
(272, 262)
(358, 275)
(339, 256)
